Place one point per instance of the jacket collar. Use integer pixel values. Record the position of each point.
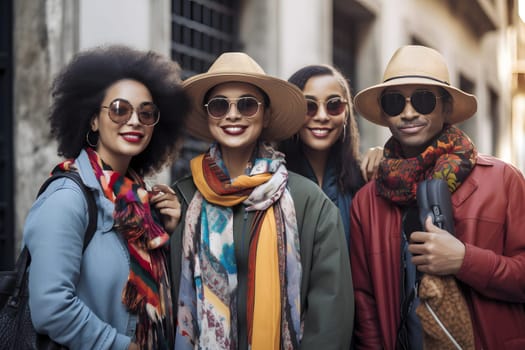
(470, 185)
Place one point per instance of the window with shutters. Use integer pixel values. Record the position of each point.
(201, 30)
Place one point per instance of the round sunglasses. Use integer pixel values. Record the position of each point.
(423, 101)
(121, 110)
(218, 107)
(333, 106)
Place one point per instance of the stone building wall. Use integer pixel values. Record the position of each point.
(39, 48)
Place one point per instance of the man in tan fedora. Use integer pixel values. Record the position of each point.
(486, 256)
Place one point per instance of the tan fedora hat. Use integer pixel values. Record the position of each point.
(287, 108)
(410, 65)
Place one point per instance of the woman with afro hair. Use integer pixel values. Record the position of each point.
(117, 115)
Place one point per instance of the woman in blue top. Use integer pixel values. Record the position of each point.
(116, 114)
(326, 148)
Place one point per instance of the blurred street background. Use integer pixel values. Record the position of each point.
(483, 42)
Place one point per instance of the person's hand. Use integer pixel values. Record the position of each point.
(133, 346)
(168, 205)
(370, 162)
(437, 251)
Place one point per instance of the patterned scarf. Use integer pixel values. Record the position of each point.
(207, 305)
(450, 157)
(147, 292)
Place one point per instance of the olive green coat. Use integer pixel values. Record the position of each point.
(327, 299)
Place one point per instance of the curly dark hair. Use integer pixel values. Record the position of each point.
(80, 87)
(344, 150)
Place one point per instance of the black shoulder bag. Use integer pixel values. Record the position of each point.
(16, 328)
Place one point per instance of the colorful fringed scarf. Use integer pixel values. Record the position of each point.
(207, 306)
(450, 157)
(147, 292)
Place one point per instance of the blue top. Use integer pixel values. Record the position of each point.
(75, 298)
(331, 189)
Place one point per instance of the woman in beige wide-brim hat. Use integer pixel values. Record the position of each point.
(264, 261)
(285, 114)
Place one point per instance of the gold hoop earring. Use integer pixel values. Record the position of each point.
(344, 131)
(89, 142)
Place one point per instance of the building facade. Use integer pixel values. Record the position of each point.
(481, 39)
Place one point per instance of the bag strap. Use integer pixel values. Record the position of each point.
(21, 266)
(90, 199)
(410, 223)
(186, 187)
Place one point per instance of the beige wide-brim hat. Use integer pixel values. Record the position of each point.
(410, 65)
(287, 108)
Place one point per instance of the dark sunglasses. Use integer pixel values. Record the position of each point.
(120, 111)
(218, 107)
(423, 101)
(333, 106)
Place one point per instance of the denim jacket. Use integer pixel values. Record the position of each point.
(75, 297)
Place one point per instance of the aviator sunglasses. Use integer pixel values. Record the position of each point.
(120, 111)
(218, 107)
(333, 106)
(423, 101)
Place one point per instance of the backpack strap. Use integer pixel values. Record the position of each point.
(90, 199)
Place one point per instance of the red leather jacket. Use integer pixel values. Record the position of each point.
(489, 213)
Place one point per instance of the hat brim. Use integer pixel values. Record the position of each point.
(287, 108)
(367, 102)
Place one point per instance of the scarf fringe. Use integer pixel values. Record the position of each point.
(132, 298)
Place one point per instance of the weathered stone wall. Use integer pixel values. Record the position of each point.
(43, 40)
